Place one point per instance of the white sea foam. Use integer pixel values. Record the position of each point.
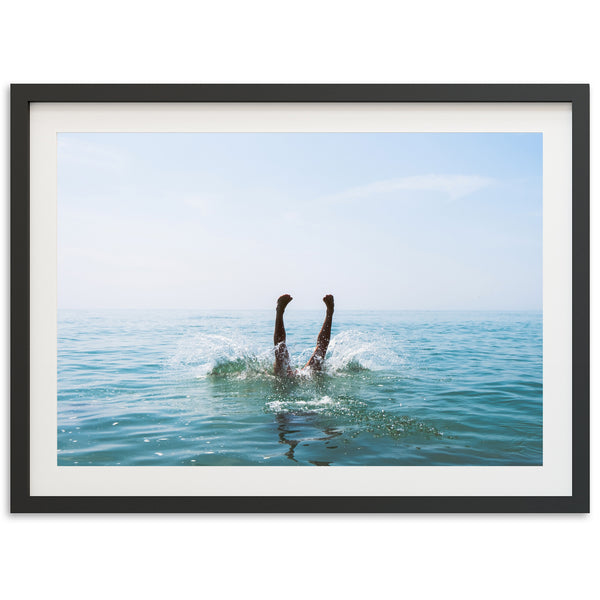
(316, 404)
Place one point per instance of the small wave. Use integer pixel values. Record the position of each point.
(236, 367)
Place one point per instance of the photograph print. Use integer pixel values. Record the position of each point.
(299, 299)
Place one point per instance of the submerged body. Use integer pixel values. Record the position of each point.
(283, 367)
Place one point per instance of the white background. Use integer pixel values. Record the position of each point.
(423, 556)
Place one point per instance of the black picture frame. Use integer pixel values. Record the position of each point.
(22, 95)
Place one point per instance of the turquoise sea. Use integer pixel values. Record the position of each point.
(400, 388)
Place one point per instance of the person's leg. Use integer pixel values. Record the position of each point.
(316, 360)
(282, 356)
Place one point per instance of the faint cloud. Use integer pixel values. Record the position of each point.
(453, 186)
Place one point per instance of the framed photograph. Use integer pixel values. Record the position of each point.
(300, 298)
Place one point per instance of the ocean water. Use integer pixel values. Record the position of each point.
(400, 388)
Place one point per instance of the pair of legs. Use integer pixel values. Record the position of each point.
(282, 356)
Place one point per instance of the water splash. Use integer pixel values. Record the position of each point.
(215, 355)
(207, 354)
(353, 351)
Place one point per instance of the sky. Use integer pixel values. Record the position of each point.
(425, 221)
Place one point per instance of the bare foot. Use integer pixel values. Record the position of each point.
(328, 302)
(283, 301)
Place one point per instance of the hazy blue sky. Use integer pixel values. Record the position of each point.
(382, 220)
